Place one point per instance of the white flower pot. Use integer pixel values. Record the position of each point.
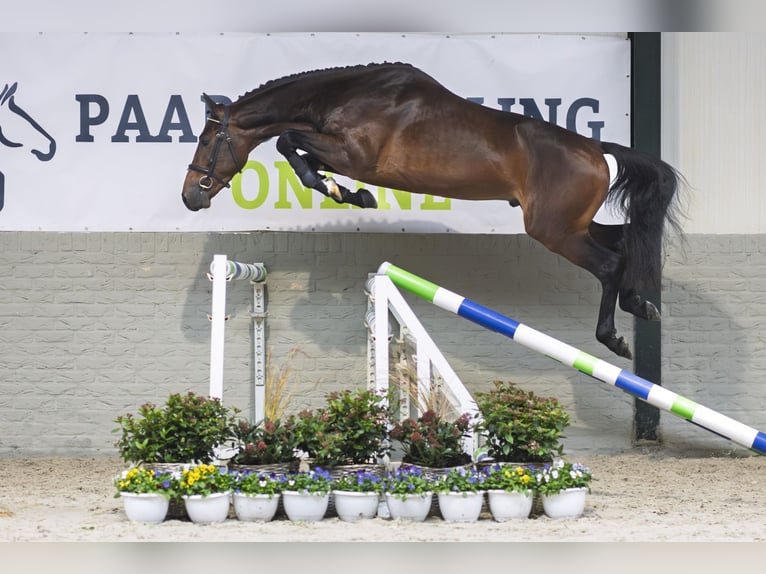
(255, 507)
(505, 505)
(460, 506)
(305, 506)
(355, 506)
(149, 508)
(569, 503)
(415, 507)
(207, 509)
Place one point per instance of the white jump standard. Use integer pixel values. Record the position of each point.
(629, 382)
(223, 270)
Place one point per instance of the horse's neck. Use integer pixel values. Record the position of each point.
(274, 104)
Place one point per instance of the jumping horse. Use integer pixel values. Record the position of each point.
(392, 125)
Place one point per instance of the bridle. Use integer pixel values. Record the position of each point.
(208, 173)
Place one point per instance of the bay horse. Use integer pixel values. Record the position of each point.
(394, 126)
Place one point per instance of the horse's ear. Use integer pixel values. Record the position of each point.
(209, 102)
(210, 105)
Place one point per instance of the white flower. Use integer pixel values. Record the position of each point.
(573, 474)
(538, 477)
(555, 474)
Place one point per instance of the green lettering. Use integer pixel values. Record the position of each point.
(304, 195)
(263, 186)
(330, 203)
(403, 198)
(436, 204)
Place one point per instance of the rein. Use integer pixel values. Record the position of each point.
(208, 174)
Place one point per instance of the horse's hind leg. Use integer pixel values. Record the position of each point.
(611, 237)
(306, 167)
(605, 264)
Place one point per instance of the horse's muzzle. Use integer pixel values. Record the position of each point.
(195, 199)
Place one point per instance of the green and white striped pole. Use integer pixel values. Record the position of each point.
(631, 383)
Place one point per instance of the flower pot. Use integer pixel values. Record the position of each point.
(149, 508)
(569, 503)
(505, 505)
(305, 506)
(355, 506)
(460, 506)
(176, 509)
(255, 507)
(207, 509)
(434, 473)
(339, 470)
(415, 507)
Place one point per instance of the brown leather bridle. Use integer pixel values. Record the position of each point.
(208, 173)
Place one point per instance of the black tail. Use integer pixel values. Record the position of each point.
(646, 188)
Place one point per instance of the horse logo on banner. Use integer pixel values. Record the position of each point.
(17, 128)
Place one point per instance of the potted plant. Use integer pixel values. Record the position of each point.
(350, 429)
(186, 429)
(318, 445)
(306, 494)
(145, 493)
(519, 426)
(510, 491)
(361, 417)
(563, 486)
(357, 494)
(432, 441)
(256, 495)
(460, 492)
(205, 490)
(265, 447)
(408, 493)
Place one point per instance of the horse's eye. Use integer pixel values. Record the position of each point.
(204, 141)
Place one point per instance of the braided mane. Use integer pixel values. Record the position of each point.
(299, 75)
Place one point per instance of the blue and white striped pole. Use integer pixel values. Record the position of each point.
(629, 382)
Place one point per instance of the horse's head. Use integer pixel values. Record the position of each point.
(217, 159)
(18, 126)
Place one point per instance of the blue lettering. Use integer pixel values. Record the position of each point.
(532, 111)
(176, 107)
(506, 103)
(133, 106)
(576, 106)
(87, 120)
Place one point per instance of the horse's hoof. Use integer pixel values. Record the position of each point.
(651, 312)
(620, 347)
(367, 199)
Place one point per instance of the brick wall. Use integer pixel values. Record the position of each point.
(93, 325)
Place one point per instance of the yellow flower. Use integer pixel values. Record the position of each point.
(507, 473)
(525, 479)
(519, 471)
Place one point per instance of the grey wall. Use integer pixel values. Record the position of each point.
(93, 325)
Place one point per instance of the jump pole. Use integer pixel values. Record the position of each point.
(631, 383)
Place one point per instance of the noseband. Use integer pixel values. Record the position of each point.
(208, 173)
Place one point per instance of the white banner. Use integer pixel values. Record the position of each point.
(96, 130)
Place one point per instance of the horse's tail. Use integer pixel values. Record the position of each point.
(647, 189)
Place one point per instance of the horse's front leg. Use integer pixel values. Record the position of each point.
(306, 167)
